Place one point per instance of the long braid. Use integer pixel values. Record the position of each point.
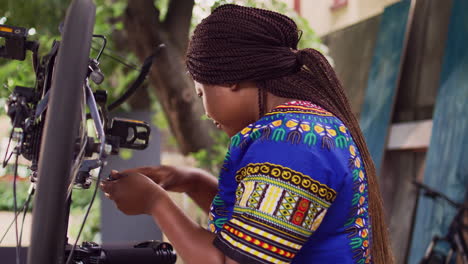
(261, 102)
(238, 43)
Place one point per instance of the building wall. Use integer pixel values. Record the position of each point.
(415, 100)
(323, 19)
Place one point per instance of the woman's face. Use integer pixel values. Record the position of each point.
(230, 107)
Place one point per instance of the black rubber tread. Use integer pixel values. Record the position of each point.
(60, 132)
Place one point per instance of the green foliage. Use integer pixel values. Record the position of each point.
(80, 199)
(80, 203)
(162, 6)
(108, 23)
(28, 14)
(44, 15)
(212, 159)
(6, 194)
(159, 119)
(19, 73)
(309, 39)
(126, 154)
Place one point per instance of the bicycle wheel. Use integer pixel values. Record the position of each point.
(434, 257)
(50, 213)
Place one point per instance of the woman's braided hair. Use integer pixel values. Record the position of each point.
(237, 43)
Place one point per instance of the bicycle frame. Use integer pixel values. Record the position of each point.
(45, 137)
(454, 237)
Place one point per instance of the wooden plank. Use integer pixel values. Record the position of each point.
(400, 168)
(447, 163)
(384, 78)
(410, 135)
(423, 63)
(354, 77)
(415, 101)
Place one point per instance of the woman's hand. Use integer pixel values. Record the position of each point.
(175, 179)
(133, 192)
(196, 183)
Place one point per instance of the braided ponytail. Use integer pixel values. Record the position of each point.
(327, 91)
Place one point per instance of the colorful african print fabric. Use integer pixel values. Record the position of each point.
(293, 190)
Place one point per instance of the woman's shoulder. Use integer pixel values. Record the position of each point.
(300, 107)
(306, 139)
(298, 123)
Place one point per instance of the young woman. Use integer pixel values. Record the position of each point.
(297, 185)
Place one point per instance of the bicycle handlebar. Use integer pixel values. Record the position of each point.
(433, 194)
(148, 252)
(139, 80)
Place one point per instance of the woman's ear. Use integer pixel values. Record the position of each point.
(243, 85)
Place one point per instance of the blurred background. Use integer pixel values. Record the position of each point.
(402, 65)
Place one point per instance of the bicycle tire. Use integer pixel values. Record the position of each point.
(50, 213)
(434, 257)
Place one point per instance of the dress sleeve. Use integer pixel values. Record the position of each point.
(283, 194)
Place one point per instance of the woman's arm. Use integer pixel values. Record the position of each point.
(134, 193)
(204, 188)
(198, 184)
(192, 242)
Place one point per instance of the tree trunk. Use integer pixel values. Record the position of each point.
(174, 88)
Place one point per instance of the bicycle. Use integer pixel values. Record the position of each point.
(49, 126)
(454, 238)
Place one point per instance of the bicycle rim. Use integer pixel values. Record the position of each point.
(50, 213)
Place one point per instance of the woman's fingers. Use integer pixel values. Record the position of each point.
(150, 172)
(158, 174)
(133, 193)
(108, 188)
(115, 175)
(165, 176)
(167, 183)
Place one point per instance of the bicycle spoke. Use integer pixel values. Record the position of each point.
(11, 224)
(25, 210)
(7, 157)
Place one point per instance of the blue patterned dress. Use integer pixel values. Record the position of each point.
(293, 190)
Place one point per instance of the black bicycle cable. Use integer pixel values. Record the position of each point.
(118, 59)
(148, 62)
(104, 43)
(101, 135)
(15, 205)
(141, 77)
(24, 209)
(81, 152)
(98, 181)
(5, 159)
